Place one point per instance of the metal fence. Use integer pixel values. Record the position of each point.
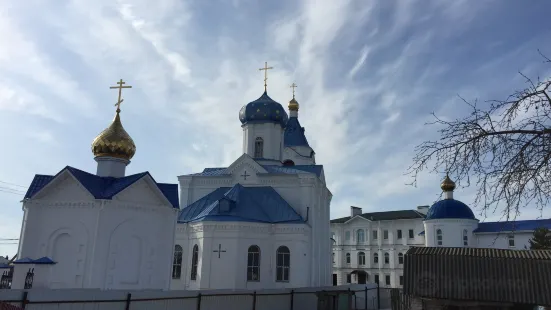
(368, 298)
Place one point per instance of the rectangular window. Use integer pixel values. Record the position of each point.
(411, 234)
(377, 278)
(283, 263)
(385, 234)
(253, 264)
(348, 278)
(401, 280)
(347, 235)
(387, 280)
(399, 234)
(511, 240)
(258, 147)
(374, 235)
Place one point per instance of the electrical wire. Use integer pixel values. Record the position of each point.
(13, 184)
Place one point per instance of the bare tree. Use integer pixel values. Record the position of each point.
(504, 148)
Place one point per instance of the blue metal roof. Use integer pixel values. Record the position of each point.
(5, 266)
(315, 169)
(24, 260)
(263, 109)
(294, 134)
(512, 226)
(449, 209)
(241, 204)
(104, 187)
(41, 261)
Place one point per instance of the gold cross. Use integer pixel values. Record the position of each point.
(293, 86)
(120, 87)
(266, 68)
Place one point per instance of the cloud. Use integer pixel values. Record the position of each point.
(368, 75)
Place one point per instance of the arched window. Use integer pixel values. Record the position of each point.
(288, 162)
(360, 235)
(177, 262)
(361, 258)
(253, 263)
(465, 238)
(283, 264)
(348, 258)
(376, 258)
(194, 262)
(400, 258)
(258, 148)
(387, 258)
(439, 237)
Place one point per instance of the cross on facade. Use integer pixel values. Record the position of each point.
(245, 175)
(265, 69)
(219, 250)
(120, 87)
(293, 86)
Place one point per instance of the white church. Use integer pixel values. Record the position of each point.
(370, 247)
(261, 222)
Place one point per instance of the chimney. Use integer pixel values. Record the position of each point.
(355, 211)
(423, 209)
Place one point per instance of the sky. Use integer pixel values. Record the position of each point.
(369, 73)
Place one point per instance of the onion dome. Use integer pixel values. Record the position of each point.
(263, 110)
(293, 105)
(449, 208)
(447, 185)
(114, 141)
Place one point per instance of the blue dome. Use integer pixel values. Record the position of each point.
(263, 109)
(449, 209)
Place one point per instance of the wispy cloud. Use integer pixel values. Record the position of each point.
(369, 74)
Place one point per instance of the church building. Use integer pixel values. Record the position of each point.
(263, 221)
(370, 247)
(106, 230)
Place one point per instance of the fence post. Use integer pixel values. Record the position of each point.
(199, 301)
(254, 300)
(24, 300)
(292, 298)
(378, 297)
(128, 297)
(365, 301)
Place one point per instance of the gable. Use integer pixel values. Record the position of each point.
(142, 192)
(357, 219)
(244, 162)
(63, 187)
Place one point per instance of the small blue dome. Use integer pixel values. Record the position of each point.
(450, 209)
(263, 109)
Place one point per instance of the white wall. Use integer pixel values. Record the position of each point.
(300, 155)
(121, 243)
(452, 232)
(501, 240)
(393, 246)
(271, 133)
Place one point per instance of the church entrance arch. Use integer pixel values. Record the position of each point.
(361, 276)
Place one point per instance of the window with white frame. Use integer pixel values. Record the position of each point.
(387, 258)
(333, 258)
(465, 238)
(259, 147)
(347, 235)
(348, 258)
(400, 258)
(283, 264)
(361, 258)
(511, 240)
(360, 235)
(385, 234)
(194, 262)
(439, 237)
(375, 258)
(177, 262)
(253, 263)
(411, 234)
(399, 234)
(374, 234)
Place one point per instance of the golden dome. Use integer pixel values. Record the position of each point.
(447, 185)
(293, 105)
(114, 141)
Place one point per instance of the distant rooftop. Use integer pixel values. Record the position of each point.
(384, 216)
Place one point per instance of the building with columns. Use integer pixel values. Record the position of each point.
(370, 247)
(261, 222)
